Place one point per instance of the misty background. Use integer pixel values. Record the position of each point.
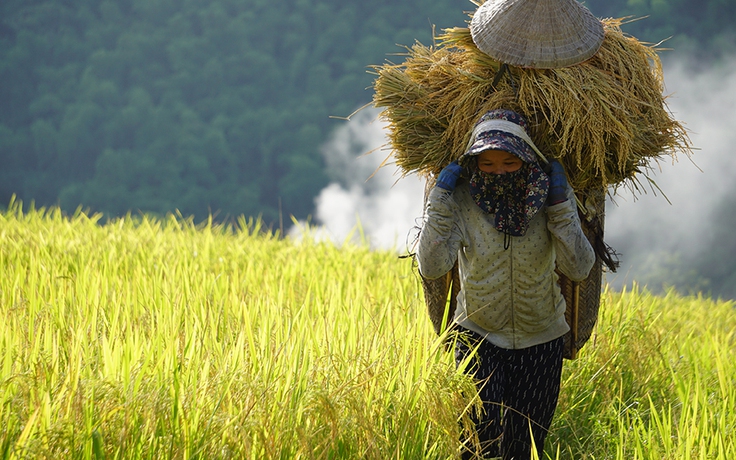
(661, 235)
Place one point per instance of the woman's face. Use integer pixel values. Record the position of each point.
(498, 162)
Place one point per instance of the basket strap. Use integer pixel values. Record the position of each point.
(575, 316)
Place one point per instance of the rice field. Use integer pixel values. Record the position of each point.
(159, 338)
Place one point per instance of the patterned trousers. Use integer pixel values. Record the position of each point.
(519, 390)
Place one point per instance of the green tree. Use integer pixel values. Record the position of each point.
(157, 105)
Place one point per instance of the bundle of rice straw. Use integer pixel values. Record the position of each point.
(604, 119)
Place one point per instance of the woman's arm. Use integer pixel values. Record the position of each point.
(575, 255)
(439, 239)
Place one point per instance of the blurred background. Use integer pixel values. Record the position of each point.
(229, 108)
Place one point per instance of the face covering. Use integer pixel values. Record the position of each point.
(514, 198)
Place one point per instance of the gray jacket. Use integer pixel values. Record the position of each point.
(510, 296)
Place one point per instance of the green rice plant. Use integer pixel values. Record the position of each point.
(156, 338)
(659, 382)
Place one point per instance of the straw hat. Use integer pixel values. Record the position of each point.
(542, 34)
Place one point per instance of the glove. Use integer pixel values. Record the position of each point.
(448, 176)
(557, 183)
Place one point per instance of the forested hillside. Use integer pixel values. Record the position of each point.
(218, 106)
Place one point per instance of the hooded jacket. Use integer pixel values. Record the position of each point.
(510, 296)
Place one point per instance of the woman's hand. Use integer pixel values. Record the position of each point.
(448, 176)
(557, 183)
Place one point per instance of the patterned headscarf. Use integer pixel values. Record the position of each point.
(514, 197)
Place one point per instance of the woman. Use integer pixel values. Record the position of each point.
(510, 224)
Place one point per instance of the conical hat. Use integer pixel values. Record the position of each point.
(542, 34)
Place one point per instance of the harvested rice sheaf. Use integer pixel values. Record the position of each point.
(606, 119)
